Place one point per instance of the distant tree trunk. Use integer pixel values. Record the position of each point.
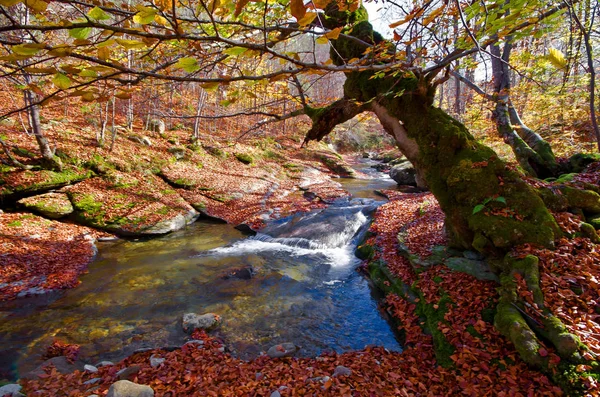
(36, 126)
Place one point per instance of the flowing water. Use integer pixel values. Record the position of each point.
(303, 288)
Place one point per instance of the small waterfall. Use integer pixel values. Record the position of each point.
(330, 233)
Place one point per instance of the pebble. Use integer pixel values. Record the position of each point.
(105, 364)
(90, 368)
(127, 372)
(276, 394)
(340, 370)
(92, 381)
(11, 390)
(156, 361)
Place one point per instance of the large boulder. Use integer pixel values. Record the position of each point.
(125, 388)
(50, 205)
(156, 125)
(404, 174)
(192, 321)
(61, 364)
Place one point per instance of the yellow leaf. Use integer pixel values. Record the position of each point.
(36, 5)
(411, 15)
(322, 40)
(321, 3)
(557, 58)
(161, 20)
(61, 81)
(123, 95)
(334, 34)
(212, 86)
(9, 3)
(298, 9)
(307, 19)
(427, 20)
(130, 44)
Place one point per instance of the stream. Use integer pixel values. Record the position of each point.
(296, 281)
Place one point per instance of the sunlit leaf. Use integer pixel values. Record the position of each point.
(88, 73)
(239, 6)
(297, 9)
(123, 95)
(321, 3)
(80, 33)
(434, 14)
(130, 44)
(557, 58)
(322, 40)
(190, 65)
(145, 15)
(98, 14)
(210, 86)
(61, 81)
(307, 19)
(235, 51)
(36, 5)
(9, 3)
(334, 34)
(26, 49)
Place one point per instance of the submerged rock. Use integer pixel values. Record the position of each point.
(404, 174)
(192, 321)
(340, 370)
(61, 364)
(243, 273)
(283, 350)
(125, 388)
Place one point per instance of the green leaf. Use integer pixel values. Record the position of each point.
(130, 44)
(500, 200)
(98, 14)
(478, 208)
(190, 65)
(26, 49)
(88, 73)
(145, 15)
(61, 81)
(235, 51)
(225, 102)
(210, 86)
(80, 33)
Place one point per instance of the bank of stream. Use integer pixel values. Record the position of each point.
(296, 281)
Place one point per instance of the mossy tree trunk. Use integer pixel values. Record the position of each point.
(488, 206)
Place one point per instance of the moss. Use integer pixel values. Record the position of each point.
(15, 224)
(433, 317)
(555, 202)
(24, 152)
(579, 161)
(163, 210)
(216, 152)
(365, 252)
(184, 183)
(584, 199)
(244, 158)
(565, 178)
(589, 231)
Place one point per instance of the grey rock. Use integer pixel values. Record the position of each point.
(11, 390)
(276, 394)
(92, 381)
(126, 373)
(90, 368)
(156, 361)
(283, 350)
(125, 388)
(340, 370)
(404, 174)
(481, 270)
(104, 364)
(177, 222)
(192, 321)
(177, 152)
(157, 125)
(473, 255)
(61, 364)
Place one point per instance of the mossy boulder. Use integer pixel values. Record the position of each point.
(50, 205)
(583, 199)
(178, 152)
(579, 161)
(27, 182)
(244, 158)
(130, 205)
(594, 220)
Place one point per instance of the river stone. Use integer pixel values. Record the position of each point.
(128, 372)
(125, 388)
(92, 381)
(340, 370)
(275, 394)
(192, 321)
(283, 350)
(50, 205)
(404, 174)
(61, 364)
(11, 390)
(90, 368)
(177, 222)
(156, 361)
(481, 270)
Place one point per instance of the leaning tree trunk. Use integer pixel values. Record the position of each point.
(488, 206)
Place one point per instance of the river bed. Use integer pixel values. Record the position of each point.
(304, 289)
